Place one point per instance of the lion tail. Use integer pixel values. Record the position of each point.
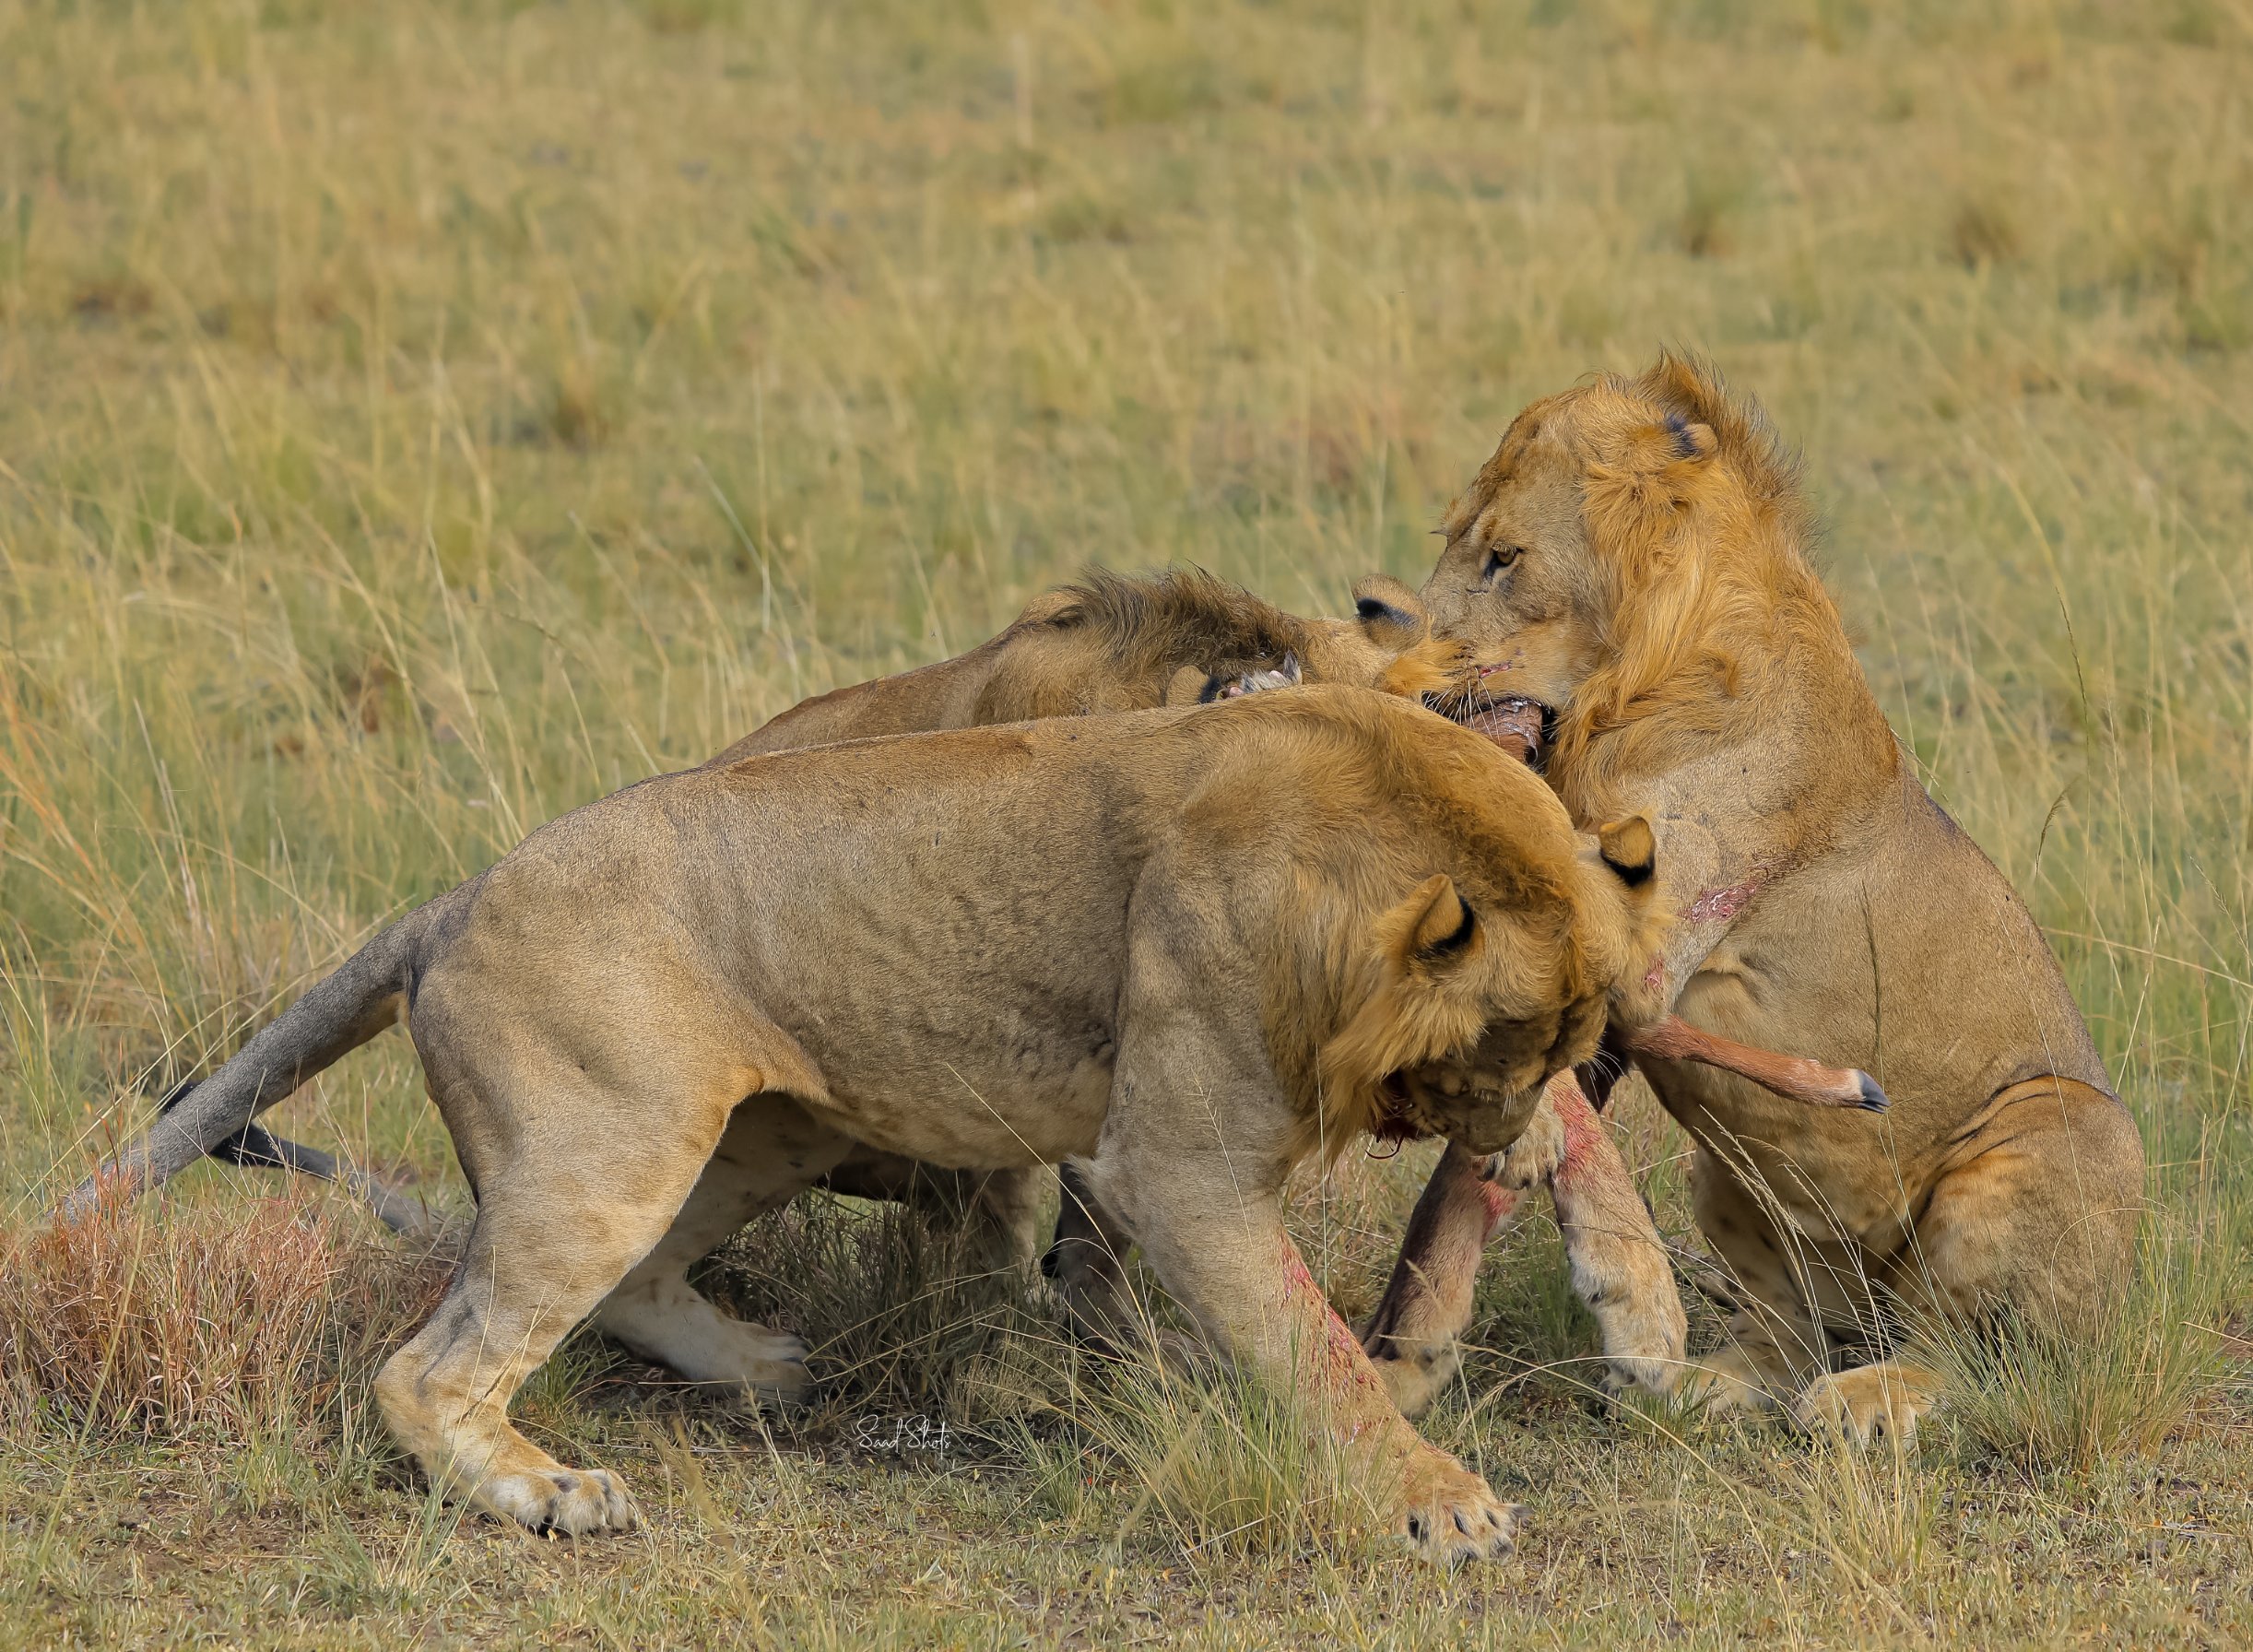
(338, 1015)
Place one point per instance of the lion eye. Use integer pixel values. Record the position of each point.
(1498, 557)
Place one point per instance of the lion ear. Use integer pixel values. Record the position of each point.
(1669, 447)
(1389, 614)
(1433, 925)
(1629, 848)
(1654, 466)
(1190, 686)
(1693, 442)
(1062, 607)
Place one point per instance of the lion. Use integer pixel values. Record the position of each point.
(1111, 644)
(1105, 644)
(1108, 643)
(1633, 557)
(1228, 938)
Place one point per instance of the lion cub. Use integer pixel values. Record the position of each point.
(1186, 949)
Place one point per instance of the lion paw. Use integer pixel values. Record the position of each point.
(711, 1349)
(747, 1361)
(1867, 1405)
(769, 1365)
(1626, 1375)
(1645, 1331)
(1452, 1515)
(1723, 1384)
(575, 1503)
(1533, 1157)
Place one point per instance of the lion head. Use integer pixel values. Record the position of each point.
(1632, 555)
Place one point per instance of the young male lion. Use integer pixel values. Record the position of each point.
(1111, 644)
(1189, 947)
(1633, 558)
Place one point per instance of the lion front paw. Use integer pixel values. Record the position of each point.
(1866, 1405)
(1533, 1157)
(1726, 1383)
(1450, 1515)
(770, 1364)
(575, 1503)
(1652, 1370)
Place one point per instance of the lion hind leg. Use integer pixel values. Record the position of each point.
(1001, 1227)
(1747, 1373)
(771, 1152)
(1869, 1404)
(586, 1189)
(993, 1216)
(2037, 1215)
(2037, 1211)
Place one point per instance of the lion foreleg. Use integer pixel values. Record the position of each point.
(1619, 1262)
(1195, 1151)
(1087, 1263)
(1222, 1249)
(1775, 1343)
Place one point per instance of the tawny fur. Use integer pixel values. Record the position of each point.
(1111, 644)
(1634, 557)
(1107, 644)
(682, 1004)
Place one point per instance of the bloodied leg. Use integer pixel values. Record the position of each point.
(1200, 1187)
(1619, 1263)
(1412, 1339)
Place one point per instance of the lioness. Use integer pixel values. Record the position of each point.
(1633, 557)
(1189, 947)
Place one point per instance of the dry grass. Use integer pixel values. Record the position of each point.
(1212, 1467)
(216, 1324)
(2045, 1402)
(895, 1315)
(418, 420)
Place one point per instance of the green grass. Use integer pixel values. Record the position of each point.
(416, 420)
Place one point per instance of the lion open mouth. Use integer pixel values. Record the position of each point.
(1520, 725)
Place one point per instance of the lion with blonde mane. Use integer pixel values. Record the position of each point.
(1633, 559)
(1108, 643)
(1188, 949)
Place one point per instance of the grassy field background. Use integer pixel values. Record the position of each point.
(416, 420)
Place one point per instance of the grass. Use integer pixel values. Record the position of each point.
(223, 1324)
(1212, 1467)
(2043, 1402)
(418, 420)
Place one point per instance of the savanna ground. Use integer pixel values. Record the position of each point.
(416, 420)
